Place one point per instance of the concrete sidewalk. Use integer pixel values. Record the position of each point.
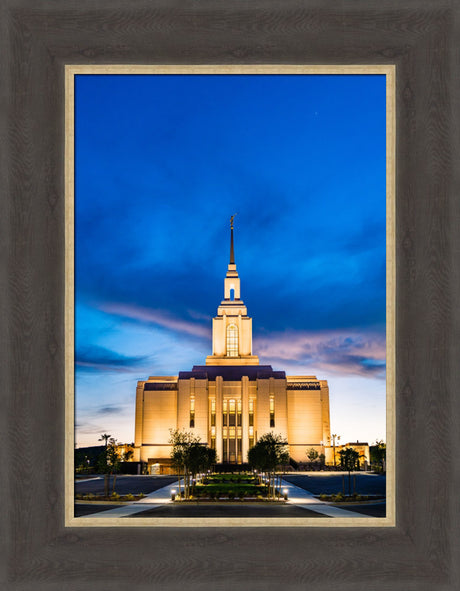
(158, 497)
(305, 499)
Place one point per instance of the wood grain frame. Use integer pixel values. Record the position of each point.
(421, 38)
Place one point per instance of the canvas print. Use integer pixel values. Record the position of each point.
(230, 297)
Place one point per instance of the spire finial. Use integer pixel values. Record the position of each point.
(232, 254)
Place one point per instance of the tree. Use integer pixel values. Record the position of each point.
(349, 459)
(104, 437)
(189, 457)
(113, 460)
(266, 455)
(312, 454)
(128, 455)
(378, 453)
(199, 459)
(109, 463)
(333, 438)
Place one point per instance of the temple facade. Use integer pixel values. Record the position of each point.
(232, 399)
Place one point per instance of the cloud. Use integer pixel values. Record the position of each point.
(95, 358)
(340, 352)
(109, 410)
(157, 317)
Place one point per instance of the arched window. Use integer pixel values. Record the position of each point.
(232, 340)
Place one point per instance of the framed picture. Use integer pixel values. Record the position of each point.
(306, 155)
(43, 550)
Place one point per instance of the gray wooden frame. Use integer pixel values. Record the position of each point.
(422, 38)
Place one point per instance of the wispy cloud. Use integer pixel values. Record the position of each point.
(356, 353)
(157, 317)
(95, 358)
(111, 409)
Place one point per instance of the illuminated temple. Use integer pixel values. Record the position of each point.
(231, 400)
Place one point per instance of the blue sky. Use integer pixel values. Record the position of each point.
(162, 162)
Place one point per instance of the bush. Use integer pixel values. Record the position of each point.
(231, 494)
(337, 497)
(141, 495)
(323, 497)
(129, 497)
(115, 496)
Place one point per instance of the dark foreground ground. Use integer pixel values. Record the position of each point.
(220, 510)
(371, 510)
(209, 510)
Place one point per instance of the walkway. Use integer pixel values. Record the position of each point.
(302, 498)
(158, 497)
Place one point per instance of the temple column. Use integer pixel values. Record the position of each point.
(219, 398)
(245, 417)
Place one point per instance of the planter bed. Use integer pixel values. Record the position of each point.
(228, 500)
(347, 500)
(110, 499)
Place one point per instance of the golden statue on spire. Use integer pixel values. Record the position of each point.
(231, 220)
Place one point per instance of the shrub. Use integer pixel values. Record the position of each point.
(323, 497)
(338, 497)
(115, 496)
(141, 495)
(129, 497)
(231, 494)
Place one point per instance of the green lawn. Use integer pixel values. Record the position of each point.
(230, 478)
(230, 486)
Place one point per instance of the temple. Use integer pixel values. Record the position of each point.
(231, 400)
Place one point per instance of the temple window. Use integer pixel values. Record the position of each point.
(232, 340)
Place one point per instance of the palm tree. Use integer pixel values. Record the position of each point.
(103, 463)
(333, 439)
(104, 437)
